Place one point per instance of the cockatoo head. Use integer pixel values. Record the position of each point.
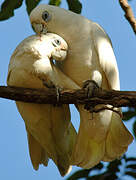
(49, 46)
(59, 47)
(46, 18)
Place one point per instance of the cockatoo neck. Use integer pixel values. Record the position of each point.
(63, 28)
(70, 32)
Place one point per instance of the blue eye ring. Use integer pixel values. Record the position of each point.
(57, 41)
(46, 16)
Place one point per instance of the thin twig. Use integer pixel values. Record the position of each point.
(128, 13)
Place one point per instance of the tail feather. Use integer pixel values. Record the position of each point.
(89, 148)
(102, 138)
(50, 127)
(87, 152)
(118, 138)
(37, 153)
(64, 136)
(95, 152)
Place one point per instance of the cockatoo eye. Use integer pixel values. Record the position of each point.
(46, 16)
(57, 41)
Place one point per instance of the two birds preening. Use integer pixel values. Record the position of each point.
(88, 56)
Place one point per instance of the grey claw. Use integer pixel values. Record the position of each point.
(50, 84)
(90, 86)
(58, 90)
(58, 93)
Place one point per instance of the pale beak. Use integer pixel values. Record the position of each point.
(39, 28)
(64, 48)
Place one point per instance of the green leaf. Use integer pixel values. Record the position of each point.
(31, 4)
(132, 166)
(134, 128)
(129, 114)
(98, 167)
(96, 177)
(75, 6)
(79, 174)
(8, 7)
(55, 2)
(103, 176)
(130, 159)
(130, 173)
(113, 166)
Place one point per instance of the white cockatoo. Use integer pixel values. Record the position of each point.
(101, 136)
(50, 132)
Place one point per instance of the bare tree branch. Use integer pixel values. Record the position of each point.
(128, 14)
(114, 98)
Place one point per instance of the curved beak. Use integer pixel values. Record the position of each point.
(63, 47)
(39, 28)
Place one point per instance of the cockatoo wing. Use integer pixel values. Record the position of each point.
(37, 153)
(118, 137)
(106, 56)
(104, 136)
(42, 126)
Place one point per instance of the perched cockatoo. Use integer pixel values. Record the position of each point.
(50, 132)
(101, 136)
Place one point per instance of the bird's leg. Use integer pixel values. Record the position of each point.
(90, 86)
(58, 90)
(50, 84)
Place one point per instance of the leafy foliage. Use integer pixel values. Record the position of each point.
(134, 128)
(31, 4)
(130, 113)
(8, 7)
(84, 173)
(75, 6)
(117, 169)
(55, 2)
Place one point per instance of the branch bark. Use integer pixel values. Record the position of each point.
(128, 14)
(114, 98)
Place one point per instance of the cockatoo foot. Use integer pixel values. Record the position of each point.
(58, 90)
(90, 86)
(48, 84)
(52, 86)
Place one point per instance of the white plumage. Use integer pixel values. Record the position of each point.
(90, 56)
(50, 132)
